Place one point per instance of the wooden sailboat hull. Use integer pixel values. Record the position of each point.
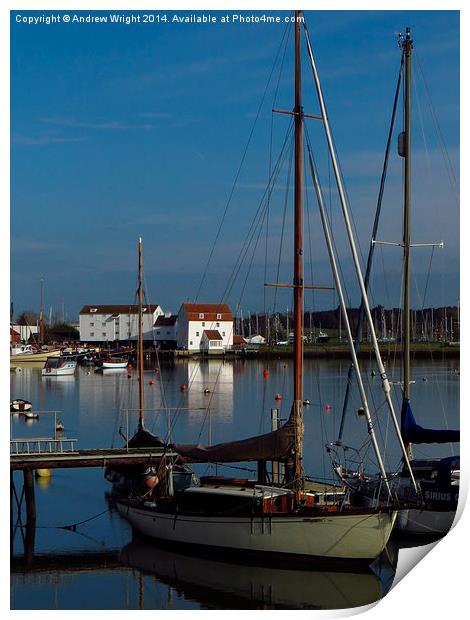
(34, 357)
(329, 537)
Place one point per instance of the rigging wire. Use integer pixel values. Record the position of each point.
(444, 151)
(237, 175)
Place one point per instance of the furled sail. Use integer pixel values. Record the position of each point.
(413, 433)
(277, 445)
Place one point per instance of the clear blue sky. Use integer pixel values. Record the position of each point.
(126, 130)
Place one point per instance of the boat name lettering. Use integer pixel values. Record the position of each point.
(436, 495)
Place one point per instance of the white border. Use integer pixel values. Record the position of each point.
(437, 587)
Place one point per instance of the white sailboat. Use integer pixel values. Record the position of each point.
(274, 515)
(425, 490)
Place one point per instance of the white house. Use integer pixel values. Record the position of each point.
(211, 341)
(196, 319)
(165, 331)
(117, 322)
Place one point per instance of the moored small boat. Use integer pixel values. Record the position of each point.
(58, 367)
(117, 362)
(19, 405)
(30, 355)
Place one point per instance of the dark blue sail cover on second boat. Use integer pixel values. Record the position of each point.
(413, 433)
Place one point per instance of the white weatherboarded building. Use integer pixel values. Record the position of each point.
(117, 322)
(197, 322)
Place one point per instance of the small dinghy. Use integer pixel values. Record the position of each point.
(19, 405)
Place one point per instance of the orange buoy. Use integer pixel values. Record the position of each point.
(265, 373)
(277, 397)
(183, 387)
(151, 481)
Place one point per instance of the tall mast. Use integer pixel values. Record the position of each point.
(140, 354)
(408, 44)
(298, 261)
(41, 312)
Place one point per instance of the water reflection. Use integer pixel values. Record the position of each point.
(225, 585)
(159, 577)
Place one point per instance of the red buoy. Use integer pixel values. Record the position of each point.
(328, 407)
(156, 371)
(152, 381)
(277, 397)
(129, 365)
(183, 387)
(265, 373)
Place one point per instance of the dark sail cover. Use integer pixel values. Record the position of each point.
(277, 445)
(144, 439)
(413, 433)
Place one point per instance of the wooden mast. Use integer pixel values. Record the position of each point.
(408, 44)
(140, 350)
(298, 264)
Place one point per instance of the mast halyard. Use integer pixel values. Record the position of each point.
(298, 264)
(408, 46)
(140, 349)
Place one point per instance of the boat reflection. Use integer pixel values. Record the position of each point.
(217, 583)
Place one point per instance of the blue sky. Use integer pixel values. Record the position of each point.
(125, 131)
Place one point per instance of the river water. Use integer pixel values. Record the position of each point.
(85, 556)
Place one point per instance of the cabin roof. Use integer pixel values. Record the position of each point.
(117, 309)
(212, 334)
(165, 321)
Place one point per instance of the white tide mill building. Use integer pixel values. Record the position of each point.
(205, 327)
(117, 322)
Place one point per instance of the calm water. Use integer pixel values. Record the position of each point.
(100, 566)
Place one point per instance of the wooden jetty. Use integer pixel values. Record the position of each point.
(34, 456)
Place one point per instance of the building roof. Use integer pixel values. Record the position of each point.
(165, 321)
(238, 340)
(212, 334)
(117, 309)
(210, 312)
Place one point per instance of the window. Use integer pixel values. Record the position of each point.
(92, 333)
(218, 316)
(168, 333)
(158, 332)
(223, 333)
(218, 324)
(103, 324)
(93, 309)
(203, 323)
(197, 333)
(92, 324)
(104, 334)
(190, 342)
(201, 315)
